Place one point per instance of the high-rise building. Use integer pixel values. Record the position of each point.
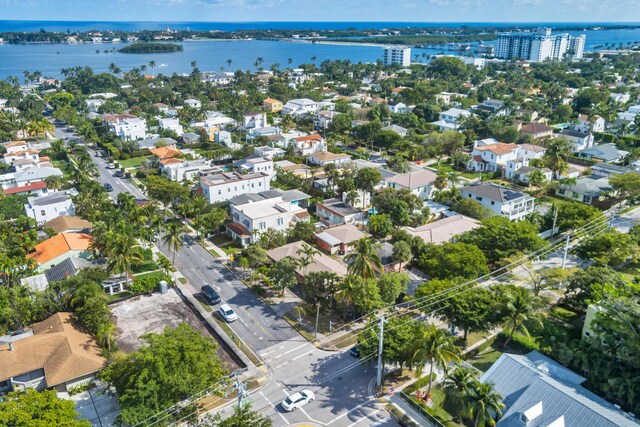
(540, 45)
(397, 55)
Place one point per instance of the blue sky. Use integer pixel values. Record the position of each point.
(324, 10)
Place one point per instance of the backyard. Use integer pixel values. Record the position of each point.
(133, 162)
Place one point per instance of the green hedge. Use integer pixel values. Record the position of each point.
(148, 283)
(519, 342)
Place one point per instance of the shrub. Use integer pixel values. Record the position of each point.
(148, 283)
(147, 254)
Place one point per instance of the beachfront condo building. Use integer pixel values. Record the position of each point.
(397, 55)
(540, 45)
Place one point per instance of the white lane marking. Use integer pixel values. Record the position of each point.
(309, 417)
(274, 408)
(293, 349)
(351, 410)
(367, 417)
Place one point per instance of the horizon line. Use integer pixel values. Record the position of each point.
(324, 21)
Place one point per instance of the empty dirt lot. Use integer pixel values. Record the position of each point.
(152, 313)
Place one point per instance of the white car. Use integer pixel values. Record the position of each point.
(227, 313)
(110, 166)
(297, 400)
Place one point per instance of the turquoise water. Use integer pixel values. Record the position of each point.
(212, 55)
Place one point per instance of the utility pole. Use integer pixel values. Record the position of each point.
(381, 322)
(240, 388)
(555, 218)
(566, 250)
(317, 317)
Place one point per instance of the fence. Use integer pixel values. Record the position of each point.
(421, 410)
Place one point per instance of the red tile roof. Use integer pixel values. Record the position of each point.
(39, 185)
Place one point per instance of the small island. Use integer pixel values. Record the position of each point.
(143, 47)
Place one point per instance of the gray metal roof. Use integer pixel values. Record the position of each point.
(494, 192)
(34, 173)
(49, 199)
(525, 381)
(606, 152)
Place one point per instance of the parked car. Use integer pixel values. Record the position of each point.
(210, 295)
(355, 351)
(108, 187)
(98, 154)
(118, 174)
(227, 313)
(110, 166)
(297, 400)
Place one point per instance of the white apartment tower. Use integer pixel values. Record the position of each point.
(540, 45)
(397, 55)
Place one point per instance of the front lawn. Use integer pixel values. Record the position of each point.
(442, 409)
(133, 162)
(148, 265)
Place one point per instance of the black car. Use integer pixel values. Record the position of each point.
(108, 187)
(210, 295)
(118, 174)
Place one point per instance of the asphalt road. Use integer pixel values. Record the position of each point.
(257, 325)
(340, 382)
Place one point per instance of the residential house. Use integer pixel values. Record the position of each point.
(444, 230)
(215, 120)
(493, 107)
(385, 253)
(397, 107)
(339, 239)
(607, 153)
(501, 200)
(258, 216)
(163, 108)
(323, 119)
(621, 98)
(523, 174)
(180, 170)
(324, 158)
(58, 248)
(266, 151)
(46, 207)
(321, 262)
(448, 98)
(579, 140)
(271, 105)
(255, 164)
(253, 120)
(295, 197)
(55, 353)
(190, 138)
(171, 125)
(20, 150)
(337, 212)
(35, 189)
(306, 145)
(527, 115)
(165, 153)
(420, 183)
(489, 155)
(538, 391)
(299, 170)
(607, 169)
(218, 79)
(126, 126)
(300, 107)
(536, 130)
(449, 120)
(220, 187)
(531, 151)
(69, 224)
(28, 177)
(592, 190)
(94, 104)
(588, 124)
(397, 129)
(193, 103)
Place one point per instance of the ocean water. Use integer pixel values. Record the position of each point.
(213, 55)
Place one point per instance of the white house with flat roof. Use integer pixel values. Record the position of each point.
(49, 206)
(300, 107)
(449, 120)
(220, 187)
(171, 124)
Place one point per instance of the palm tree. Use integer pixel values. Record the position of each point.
(537, 179)
(555, 157)
(520, 307)
(106, 334)
(54, 182)
(229, 61)
(458, 383)
(401, 253)
(123, 251)
(352, 198)
(437, 348)
(198, 204)
(306, 254)
(173, 237)
(152, 64)
(484, 403)
(364, 259)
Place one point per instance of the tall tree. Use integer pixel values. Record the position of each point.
(435, 347)
(38, 408)
(123, 252)
(173, 237)
(484, 403)
(364, 259)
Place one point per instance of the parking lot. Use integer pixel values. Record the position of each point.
(152, 313)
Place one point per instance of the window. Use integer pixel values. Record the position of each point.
(493, 203)
(42, 212)
(219, 191)
(262, 225)
(478, 198)
(280, 221)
